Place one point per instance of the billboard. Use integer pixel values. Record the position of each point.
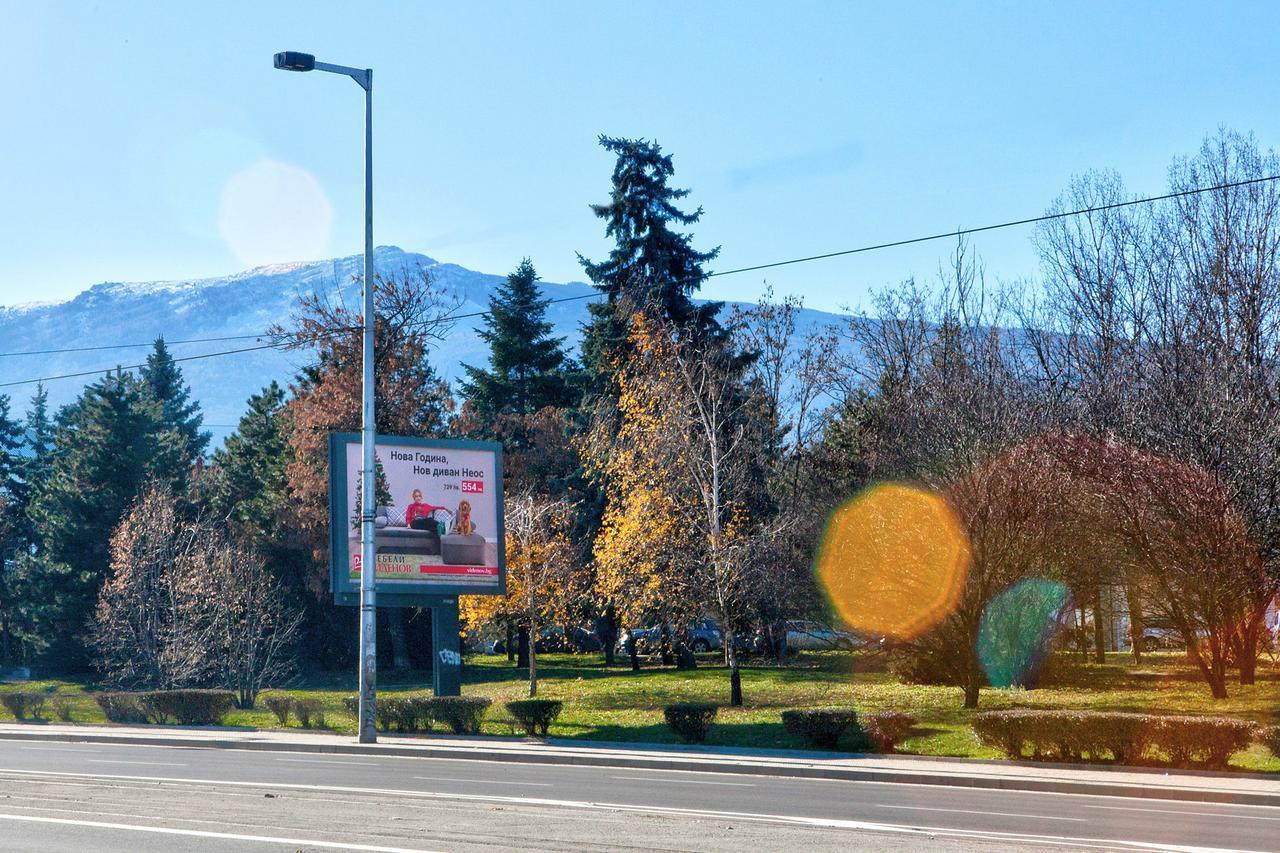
(438, 519)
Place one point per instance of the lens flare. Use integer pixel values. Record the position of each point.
(894, 560)
(274, 212)
(1017, 629)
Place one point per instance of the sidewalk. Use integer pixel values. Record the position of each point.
(1209, 787)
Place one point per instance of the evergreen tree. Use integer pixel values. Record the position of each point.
(39, 440)
(652, 267)
(528, 369)
(247, 483)
(107, 445)
(164, 384)
(13, 488)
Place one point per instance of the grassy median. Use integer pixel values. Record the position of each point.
(618, 705)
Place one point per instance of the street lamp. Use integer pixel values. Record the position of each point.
(293, 61)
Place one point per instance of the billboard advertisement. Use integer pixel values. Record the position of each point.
(438, 519)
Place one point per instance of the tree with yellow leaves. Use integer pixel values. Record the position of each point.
(682, 477)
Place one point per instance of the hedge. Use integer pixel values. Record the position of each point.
(308, 709)
(462, 714)
(187, 707)
(820, 727)
(121, 707)
(20, 703)
(690, 720)
(886, 729)
(280, 706)
(535, 716)
(1179, 741)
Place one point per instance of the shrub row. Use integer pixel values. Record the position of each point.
(690, 720)
(823, 727)
(1114, 736)
(185, 707)
(23, 703)
(460, 714)
(308, 709)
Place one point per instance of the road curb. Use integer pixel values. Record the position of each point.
(685, 761)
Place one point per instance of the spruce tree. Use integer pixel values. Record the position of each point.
(13, 488)
(164, 384)
(107, 445)
(528, 369)
(652, 267)
(247, 483)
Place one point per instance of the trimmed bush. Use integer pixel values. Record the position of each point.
(886, 729)
(352, 705)
(187, 707)
(462, 714)
(121, 707)
(280, 706)
(1179, 741)
(309, 710)
(20, 703)
(690, 720)
(1270, 738)
(62, 707)
(535, 716)
(403, 712)
(820, 727)
(1201, 741)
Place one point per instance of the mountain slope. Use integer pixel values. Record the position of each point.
(242, 304)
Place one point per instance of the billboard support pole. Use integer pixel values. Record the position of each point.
(368, 484)
(446, 669)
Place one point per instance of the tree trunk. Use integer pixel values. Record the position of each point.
(1099, 628)
(1247, 650)
(1136, 627)
(634, 651)
(511, 643)
(735, 671)
(607, 629)
(533, 663)
(522, 647)
(1082, 634)
(1214, 669)
(972, 687)
(399, 640)
(667, 657)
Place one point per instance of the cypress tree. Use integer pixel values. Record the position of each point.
(528, 369)
(652, 267)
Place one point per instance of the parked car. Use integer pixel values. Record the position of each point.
(806, 635)
(703, 636)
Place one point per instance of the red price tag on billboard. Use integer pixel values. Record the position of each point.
(473, 487)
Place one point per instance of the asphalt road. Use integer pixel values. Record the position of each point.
(65, 796)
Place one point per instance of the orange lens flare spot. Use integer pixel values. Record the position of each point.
(894, 561)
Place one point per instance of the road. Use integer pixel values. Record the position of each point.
(73, 797)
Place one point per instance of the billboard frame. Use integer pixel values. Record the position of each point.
(346, 592)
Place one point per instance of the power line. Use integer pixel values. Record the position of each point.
(130, 346)
(962, 232)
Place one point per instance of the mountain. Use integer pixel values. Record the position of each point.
(112, 314)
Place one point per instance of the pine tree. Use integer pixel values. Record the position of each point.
(528, 369)
(107, 445)
(652, 267)
(163, 381)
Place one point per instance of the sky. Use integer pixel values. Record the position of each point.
(153, 140)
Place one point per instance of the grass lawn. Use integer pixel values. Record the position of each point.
(617, 705)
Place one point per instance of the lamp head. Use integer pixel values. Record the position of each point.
(291, 60)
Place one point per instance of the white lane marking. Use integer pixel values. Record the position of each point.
(831, 823)
(143, 763)
(202, 833)
(684, 781)
(973, 811)
(481, 781)
(61, 749)
(329, 761)
(1174, 811)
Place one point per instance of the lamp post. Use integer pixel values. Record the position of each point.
(294, 61)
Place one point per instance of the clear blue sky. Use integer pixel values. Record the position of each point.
(153, 140)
